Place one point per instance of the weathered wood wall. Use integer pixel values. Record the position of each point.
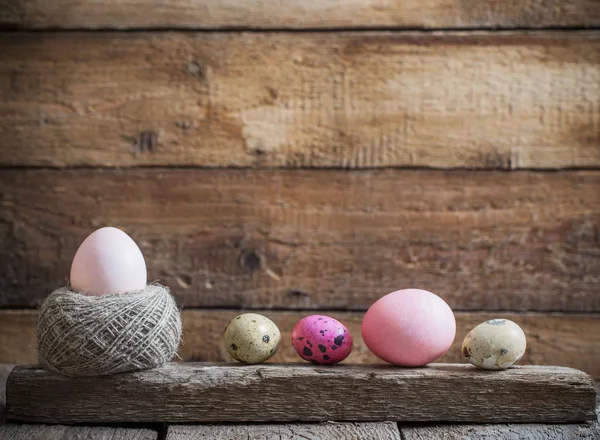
(309, 155)
(553, 339)
(494, 100)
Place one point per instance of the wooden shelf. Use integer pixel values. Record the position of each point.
(203, 392)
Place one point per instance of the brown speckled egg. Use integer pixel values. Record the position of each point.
(251, 338)
(495, 344)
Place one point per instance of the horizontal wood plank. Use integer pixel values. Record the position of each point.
(505, 100)
(290, 392)
(296, 14)
(324, 431)
(47, 432)
(315, 239)
(503, 432)
(567, 340)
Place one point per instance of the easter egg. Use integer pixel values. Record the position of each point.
(495, 344)
(251, 338)
(409, 327)
(108, 261)
(321, 339)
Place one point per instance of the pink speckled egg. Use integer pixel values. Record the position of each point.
(409, 327)
(321, 339)
(108, 261)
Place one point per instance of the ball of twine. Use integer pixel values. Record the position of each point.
(81, 335)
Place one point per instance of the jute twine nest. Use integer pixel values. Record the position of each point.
(81, 335)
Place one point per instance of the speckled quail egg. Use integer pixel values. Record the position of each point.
(495, 344)
(251, 338)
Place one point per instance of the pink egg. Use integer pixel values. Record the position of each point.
(108, 261)
(321, 339)
(410, 327)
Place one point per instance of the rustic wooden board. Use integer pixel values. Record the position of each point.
(505, 100)
(41, 432)
(313, 239)
(502, 432)
(322, 431)
(214, 393)
(296, 14)
(568, 340)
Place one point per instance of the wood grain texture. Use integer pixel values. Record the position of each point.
(41, 432)
(328, 431)
(568, 340)
(5, 370)
(289, 392)
(296, 14)
(313, 239)
(502, 432)
(504, 100)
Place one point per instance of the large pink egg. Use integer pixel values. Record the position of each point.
(409, 327)
(321, 339)
(108, 261)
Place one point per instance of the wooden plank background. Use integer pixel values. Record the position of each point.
(462, 158)
(553, 339)
(500, 100)
(297, 14)
(316, 239)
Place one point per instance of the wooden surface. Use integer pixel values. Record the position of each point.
(567, 340)
(502, 432)
(5, 370)
(315, 239)
(493, 100)
(41, 432)
(324, 431)
(296, 14)
(216, 393)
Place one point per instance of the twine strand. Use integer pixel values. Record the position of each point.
(81, 335)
